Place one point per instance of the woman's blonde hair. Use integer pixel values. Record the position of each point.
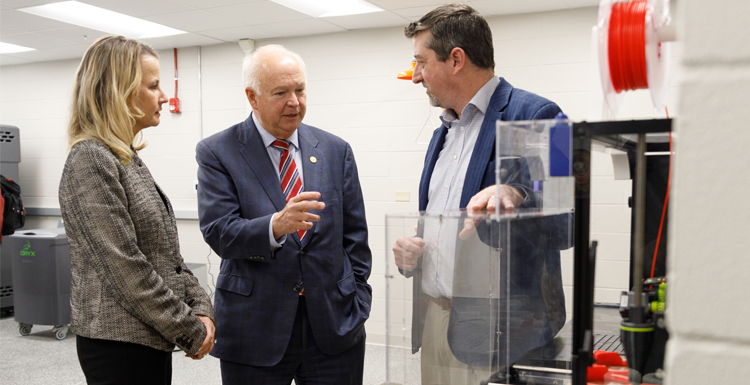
(106, 89)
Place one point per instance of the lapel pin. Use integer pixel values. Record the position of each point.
(313, 159)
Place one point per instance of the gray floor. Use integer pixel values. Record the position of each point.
(40, 359)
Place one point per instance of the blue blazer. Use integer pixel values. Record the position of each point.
(508, 104)
(256, 301)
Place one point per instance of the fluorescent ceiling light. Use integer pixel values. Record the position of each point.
(100, 19)
(328, 8)
(12, 48)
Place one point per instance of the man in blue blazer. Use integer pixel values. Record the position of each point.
(455, 63)
(292, 295)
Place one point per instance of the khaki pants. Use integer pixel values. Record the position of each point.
(439, 366)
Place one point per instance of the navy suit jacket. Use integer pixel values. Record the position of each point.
(256, 301)
(508, 104)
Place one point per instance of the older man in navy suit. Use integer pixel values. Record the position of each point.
(455, 63)
(280, 202)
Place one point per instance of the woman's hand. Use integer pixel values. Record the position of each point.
(208, 343)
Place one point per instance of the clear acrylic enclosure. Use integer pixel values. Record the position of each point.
(470, 294)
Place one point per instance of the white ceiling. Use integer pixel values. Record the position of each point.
(217, 21)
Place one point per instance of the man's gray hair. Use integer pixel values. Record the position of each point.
(251, 65)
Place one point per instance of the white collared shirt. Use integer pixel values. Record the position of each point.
(446, 187)
(275, 154)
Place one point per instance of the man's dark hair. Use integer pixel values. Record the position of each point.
(456, 25)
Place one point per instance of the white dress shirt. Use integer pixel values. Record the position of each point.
(446, 187)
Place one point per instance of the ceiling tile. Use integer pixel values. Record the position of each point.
(27, 22)
(70, 52)
(42, 55)
(301, 28)
(368, 20)
(6, 60)
(400, 4)
(414, 14)
(140, 8)
(262, 12)
(15, 4)
(506, 7)
(206, 4)
(8, 31)
(582, 3)
(79, 35)
(194, 21)
(177, 41)
(36, 41)
(216, 21)
(237, 33)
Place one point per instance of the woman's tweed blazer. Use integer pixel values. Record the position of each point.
(129, 280)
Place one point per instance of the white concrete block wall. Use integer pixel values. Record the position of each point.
(708, 244)
(352, 92)
(36, 97)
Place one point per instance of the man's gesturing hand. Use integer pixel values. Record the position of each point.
(295, 215)
(487, 200)
(509, 196)
(407, 251)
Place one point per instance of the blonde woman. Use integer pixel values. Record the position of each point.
(133, 299)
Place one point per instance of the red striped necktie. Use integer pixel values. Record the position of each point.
(291, 184)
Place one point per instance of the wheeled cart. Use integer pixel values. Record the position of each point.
(41, 279)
